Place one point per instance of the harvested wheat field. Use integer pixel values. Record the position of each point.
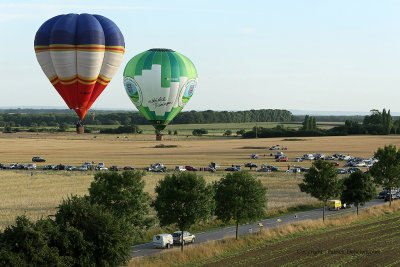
(38, 193)
(371, 243)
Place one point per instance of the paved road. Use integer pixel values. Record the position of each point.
(147, 248)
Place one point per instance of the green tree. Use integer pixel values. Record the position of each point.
(386, 171)
(240, 197)
(321, 182)
(306, 123)
(358, 189)
(183, 199)
(29, 244)
(63, 127)
(228, 133)
(91, 235)
(122, 194)
(241, 132)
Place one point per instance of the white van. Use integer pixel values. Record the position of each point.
(163, 241)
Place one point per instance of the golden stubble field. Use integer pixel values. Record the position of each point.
(38, 193)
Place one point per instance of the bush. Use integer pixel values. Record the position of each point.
(199, 132)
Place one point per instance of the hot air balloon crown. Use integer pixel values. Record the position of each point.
(161, 50)
(160, 82)
(79, 53)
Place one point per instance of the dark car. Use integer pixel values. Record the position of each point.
(382, 194)
(341, 171)
(129, 168)
(393, 195)
(271, 168)
(38, 159)
(114, 168)
(234, 168)
(191, 168)
(251, 165)
(3, 166)
(59, 167)
(48, 167)
(20, 167)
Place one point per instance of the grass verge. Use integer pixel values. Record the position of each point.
(216, 251)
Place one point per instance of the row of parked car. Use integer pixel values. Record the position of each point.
(386, 195)
(168, 240)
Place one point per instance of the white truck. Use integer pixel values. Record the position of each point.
(163, 241)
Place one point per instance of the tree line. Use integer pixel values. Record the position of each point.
(378, 123)
(128, 118)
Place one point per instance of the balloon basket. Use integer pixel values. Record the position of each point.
(159, 137)
(80, 129)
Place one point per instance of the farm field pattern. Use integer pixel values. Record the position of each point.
(370, 243)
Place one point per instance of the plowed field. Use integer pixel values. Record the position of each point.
(369, 243)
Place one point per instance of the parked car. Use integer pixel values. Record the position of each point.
(208, 169)
(101, 167)
(234, 168)
(336, 164)
(179, 169)
(163, 241)
(254, 156)
(3, 166)
(38, 159)
(12, 166)
(191, 168)
(382, 194)
(267, 168)
(393, 195)
(129, 168)
(187, 237)
(30, 166)
(308, 157)
(214, 165)
(83, 168)
(353, 169)
(59, 167)
(341, 171)
(251, 165)
(298, 160)
(20, 166)
(282, 159)
(114, 168)
(264, 169)
(330, 158)
(49, 167)
(275, 147)
(293, 170)
(70, 168)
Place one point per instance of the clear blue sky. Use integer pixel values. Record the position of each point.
(340, 55)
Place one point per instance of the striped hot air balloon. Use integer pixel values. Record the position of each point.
(79, 53)
(160, 82)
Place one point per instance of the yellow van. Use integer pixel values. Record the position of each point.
(334, 204)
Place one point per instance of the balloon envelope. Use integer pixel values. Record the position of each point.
(79, 55)
(160, 82)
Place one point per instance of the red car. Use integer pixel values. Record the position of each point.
(282, 159)
(191, 168)
(208, 169)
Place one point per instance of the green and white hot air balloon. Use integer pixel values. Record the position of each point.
(160, 82)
